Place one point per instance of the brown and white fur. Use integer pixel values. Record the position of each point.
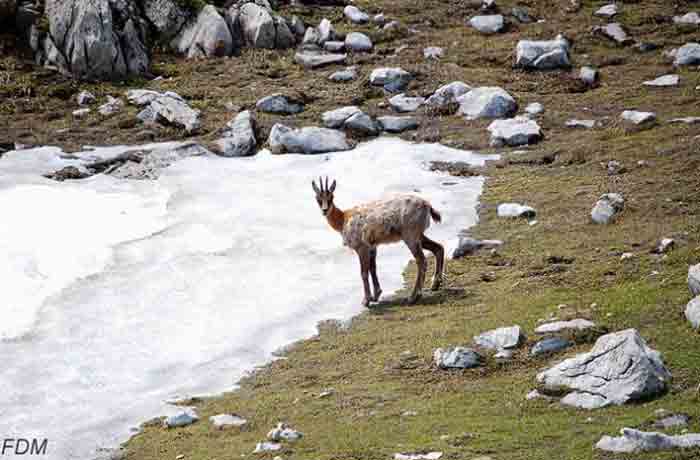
(403, 218)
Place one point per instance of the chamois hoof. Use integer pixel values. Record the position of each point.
(365, 303)
(414, 298)
(377, 294)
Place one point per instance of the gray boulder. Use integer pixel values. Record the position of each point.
(550, 345)
(355, 15)
(694, 279)
(279, 103)
(359, 42)
(503, 338)
(692, 312)
(181, 419)
(171, 109)
(447, 94)
(112, 106)
(86, 46)
(334, 47)
(336, 118)
(207, 36)
(607, 208)
(308, 140)
(346, 75)
(620, 368)
(543, 55)
(392, 79)
(326, 31)
(362, 123)
(155, 161)
(615, 32)
(515, 210)
(641, 441)
(487, 102)
(688, 54)
(457, 358)
(403, 103)
(257, 26)
(141, 97)
(556, 327)
(490, 24)
(166, 16)
(468, 246)
(672, 421)
(313, 58)
(514, 132)
(283, 432)
(238, 138)
(393, 124)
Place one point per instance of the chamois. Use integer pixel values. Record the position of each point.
(402, 218)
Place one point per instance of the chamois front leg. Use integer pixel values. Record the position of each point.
(364, 256)
(373, 272)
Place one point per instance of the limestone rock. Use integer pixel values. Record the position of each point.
(181, 419)
(282, 432)
(315, 58)
(615, 32)
(346, 75)
(688, 19)
(641, 441)
(355, 15)
(85, 98)
(223, 421)
(403, 103)
(638, 118)
(487, 102)
(279, 103)
(334, 47)
(664, 81)
(112, 106)
(515, 210)
(267, 447)
(534, 109)
(362, 123)
(447, 94)
(335, 118)
(694, 279)
(588, 124)
(563, 326)
(620, 368)
(171, 109)
(207, 36)
(433, 52)
(588, 75)
(607, 208)
(393, 124)
(359, 42)
(166, 16)
(308, 140)
(490, 24)
(468, 246)
(238, 138)
(457, 358)
(543, 55)
(607, 11)
(514, 132)
(688, 54)
(141, 97)
(393, 79)
(503, 338)
(550, 345)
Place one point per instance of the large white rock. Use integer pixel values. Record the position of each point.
(363, 124)
(357, 41)
(490, 24)
(607, 208)
(688, 54)
(238, 138)
(393, 79)
(457, 358)
(642, 441)
(515, 210)
(171, 109)
(447, 94)
(166, 16)
(355, 15)
(256, 25)
(620, 368)
(308, 140)
(403, 103)
(335, 118)
(562, 326)
(692, 312)
(694, 279)
(207, 36)
(514, 132)
(503, 338)
(543, 55)
(487, 102)
(393, 124)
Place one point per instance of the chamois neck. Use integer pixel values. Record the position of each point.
(336, 219)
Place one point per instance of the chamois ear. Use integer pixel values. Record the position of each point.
(313, 184)
(332, 189)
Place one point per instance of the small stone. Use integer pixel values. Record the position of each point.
(522, 15)
(614, 167)
(279, 103)
(534, 394)
(550, 345)
(111, 107)
(238, 138)
(664, 81)
(534, 109)
(615, 32)
(358, 42)
(664, 246)
(640, 441)
(315, 58)
(543, 55)
(362, 123)
(490, 24)
(348, 74)
(355, 15)
(504, 355)
(223, 421)
(393, 124)
(81, 113)
(447, 94)
(282, 432)
(688, 54)
(393, 79)
(457, 358)
(181, 419)
(515, 210)
(85, 98)
(468, 246)
(588, 75)
(514, 132)
(487, 102)
(607, 208)
(686, 120)
(688, 19)
(639, 118)
(267, 447)
(403, 103)
(379, 19)
(561, 326)
(588, 124)
(607, 11)
(500, 339)
(326, 393)
(672, 421)
(141, 97)
(335, 118)
(433, 52)
(334, 47)
(694, 279)
(308, 140)
(418, 456)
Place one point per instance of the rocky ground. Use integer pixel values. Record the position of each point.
(373, 389)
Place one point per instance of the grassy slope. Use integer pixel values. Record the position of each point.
(482, 412)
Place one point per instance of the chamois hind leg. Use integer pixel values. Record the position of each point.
(439, 252)
(373, 273)
(417, 251)
(364, 256)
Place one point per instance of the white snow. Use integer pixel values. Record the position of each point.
(120, 295)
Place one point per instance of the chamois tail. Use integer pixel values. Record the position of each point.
(435, 215)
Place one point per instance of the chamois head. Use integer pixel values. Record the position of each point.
(324, 195)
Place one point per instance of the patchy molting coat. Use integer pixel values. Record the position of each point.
(390, 220)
